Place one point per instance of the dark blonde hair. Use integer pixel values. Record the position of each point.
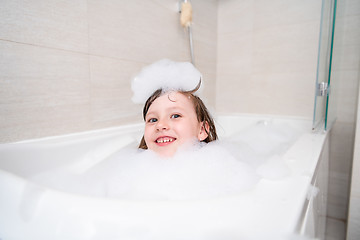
(201, 111)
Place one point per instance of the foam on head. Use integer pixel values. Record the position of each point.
(166, 75)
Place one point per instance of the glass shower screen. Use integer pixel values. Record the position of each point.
(321, 121)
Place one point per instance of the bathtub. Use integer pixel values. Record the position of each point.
(272, 209)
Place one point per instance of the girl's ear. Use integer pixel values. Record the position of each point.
(204, 129)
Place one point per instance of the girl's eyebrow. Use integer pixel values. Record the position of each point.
(150, 113)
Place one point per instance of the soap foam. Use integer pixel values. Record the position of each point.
(164, 74)
(200, 171)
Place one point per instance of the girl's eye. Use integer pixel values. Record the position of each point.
(175, 116)
(152, 120)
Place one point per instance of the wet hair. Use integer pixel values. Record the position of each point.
(201, 111)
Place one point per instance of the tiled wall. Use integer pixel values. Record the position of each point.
(267, 56)
(346, 76)
(66, 66)
(353, 229)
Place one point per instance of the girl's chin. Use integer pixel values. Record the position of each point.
(171, 149)
(164, 153)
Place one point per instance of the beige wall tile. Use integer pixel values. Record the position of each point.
(286, 48)
(335, 229)
(353, 230)
(236, 53)
(238, 86)
(348, 8)
(270, 58)
(43, 92)
(338, 195)
(355, 173)
(116, 30)
(56, 24)
(111, 92)
(354, 216)
(280, 12)
(205, 14)
(235, 17)
(342, 147)
(344, 95)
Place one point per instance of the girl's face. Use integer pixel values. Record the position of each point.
(170, 122)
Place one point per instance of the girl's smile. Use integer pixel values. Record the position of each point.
(162, 141)
(170, 122)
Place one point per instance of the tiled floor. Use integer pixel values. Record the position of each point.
(335, 229)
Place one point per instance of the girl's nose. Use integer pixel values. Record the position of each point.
(162, 125)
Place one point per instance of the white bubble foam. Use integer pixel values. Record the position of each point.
(199, 171)
(164, 74)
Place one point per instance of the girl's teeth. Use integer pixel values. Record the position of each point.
(162, 140)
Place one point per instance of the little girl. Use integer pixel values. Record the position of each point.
(175, 117)
(173, 114)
